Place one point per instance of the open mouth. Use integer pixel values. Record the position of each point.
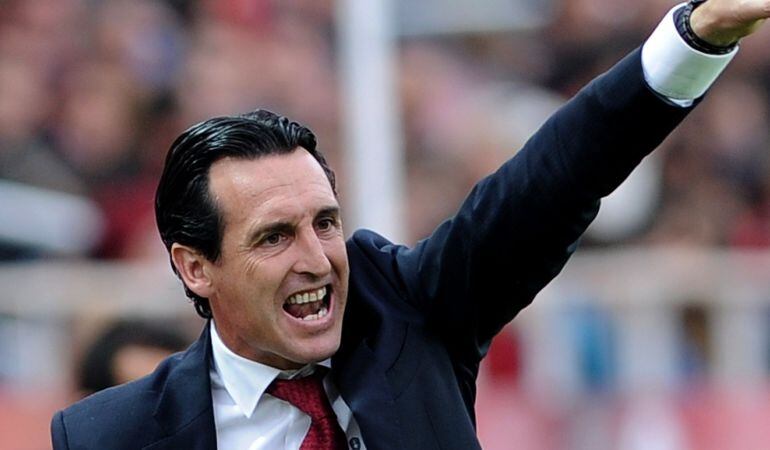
(309, 305)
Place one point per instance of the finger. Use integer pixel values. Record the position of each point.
(746, 10)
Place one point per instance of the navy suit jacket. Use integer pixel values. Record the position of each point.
(419, 320)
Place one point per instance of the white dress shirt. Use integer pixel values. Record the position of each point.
(248, 418)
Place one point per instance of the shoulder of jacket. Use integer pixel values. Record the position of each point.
(122, 410)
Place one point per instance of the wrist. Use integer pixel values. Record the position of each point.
(699, 33)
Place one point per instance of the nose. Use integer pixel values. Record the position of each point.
(311, 256)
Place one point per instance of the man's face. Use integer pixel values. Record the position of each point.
(280, 284)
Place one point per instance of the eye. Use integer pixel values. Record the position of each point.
(273, 239)
(326, 224)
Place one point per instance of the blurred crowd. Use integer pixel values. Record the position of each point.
(92, 92)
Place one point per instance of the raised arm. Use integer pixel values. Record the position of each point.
(518, 227)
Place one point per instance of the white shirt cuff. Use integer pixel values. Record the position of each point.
(674, 69)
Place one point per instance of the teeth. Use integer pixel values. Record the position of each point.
(298, 299)
(319, 315)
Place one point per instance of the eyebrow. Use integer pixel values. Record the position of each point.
(283, 226)
(269, 228)
(329, 211)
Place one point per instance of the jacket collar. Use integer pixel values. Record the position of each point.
(184, 408)
(186, 414)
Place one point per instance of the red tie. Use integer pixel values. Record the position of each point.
(309, 396)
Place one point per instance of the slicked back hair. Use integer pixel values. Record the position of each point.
(185, 211)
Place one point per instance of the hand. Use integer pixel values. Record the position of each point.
(724, 22)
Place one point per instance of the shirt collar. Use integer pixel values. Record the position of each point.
(246, 380)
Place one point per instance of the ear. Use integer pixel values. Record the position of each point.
(191, 266)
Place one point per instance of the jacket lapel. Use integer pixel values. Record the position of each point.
(362, 382)
(184, 409)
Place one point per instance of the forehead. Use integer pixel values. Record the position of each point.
(272, 184)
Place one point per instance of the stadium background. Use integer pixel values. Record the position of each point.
(655, 337)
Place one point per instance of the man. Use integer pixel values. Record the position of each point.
(248, 210)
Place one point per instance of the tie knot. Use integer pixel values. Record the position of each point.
(309, 396)
(306, 393)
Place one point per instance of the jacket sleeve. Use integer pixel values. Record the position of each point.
(515, 231)
(58, 432)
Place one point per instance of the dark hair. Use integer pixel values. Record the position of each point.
(96, 370)
(184, 209)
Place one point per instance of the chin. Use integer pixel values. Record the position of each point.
(318, 350)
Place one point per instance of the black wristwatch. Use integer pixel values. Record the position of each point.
(682, 19)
